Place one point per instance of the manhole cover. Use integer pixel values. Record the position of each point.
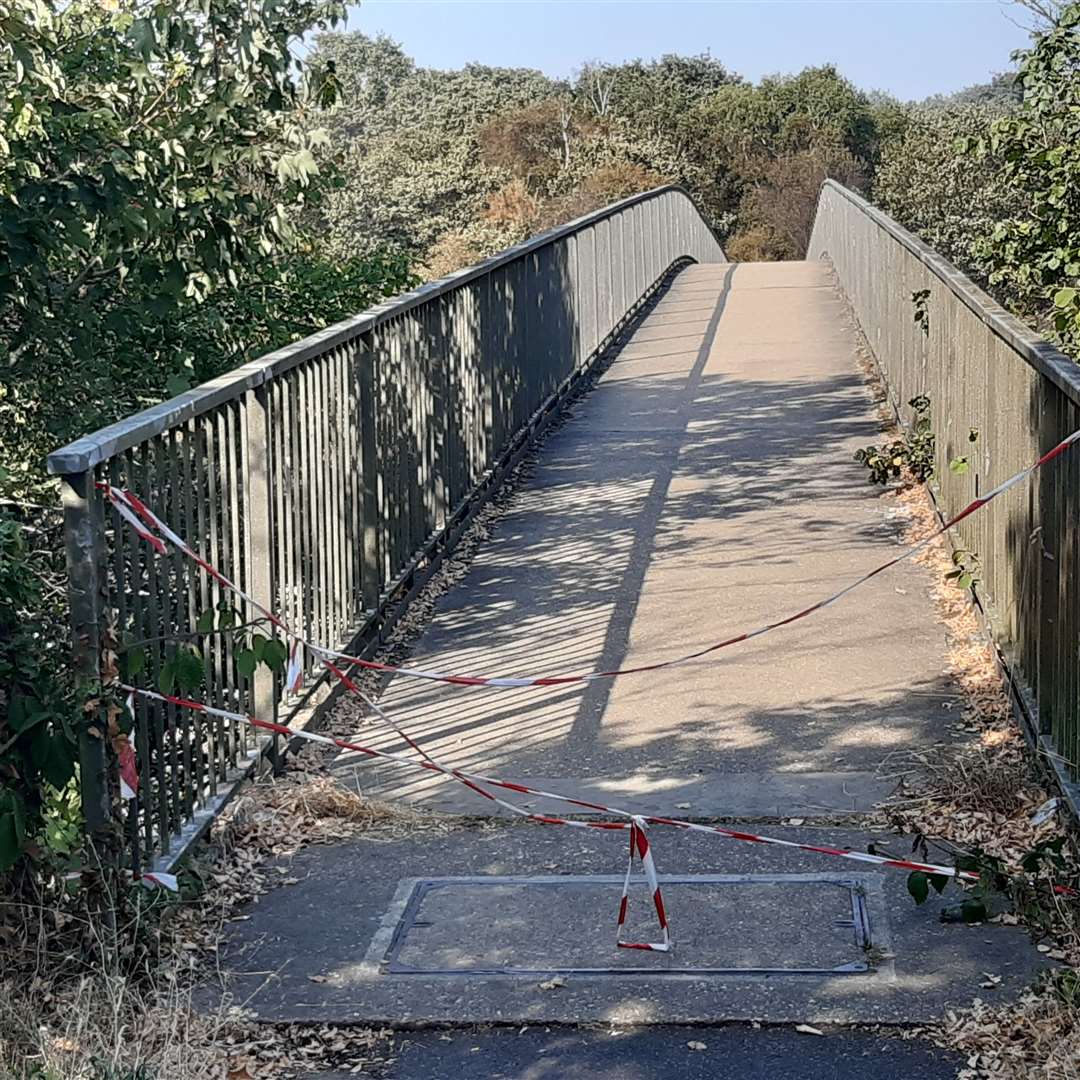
(755, 924)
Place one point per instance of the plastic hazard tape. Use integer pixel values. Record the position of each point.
(152, 529)
(142, 520)
(639, 845)
(634, 823)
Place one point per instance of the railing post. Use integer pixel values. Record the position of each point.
(367, 361)
(84, 542)
(258, 495)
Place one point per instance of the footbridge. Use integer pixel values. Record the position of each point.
(546, 481)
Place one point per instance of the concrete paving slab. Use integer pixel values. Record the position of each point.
(658, 793)
(316, 950)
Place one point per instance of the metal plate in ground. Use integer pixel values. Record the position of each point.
(788, 924)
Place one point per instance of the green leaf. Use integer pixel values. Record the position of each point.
(143, 38)
(189, 669)
(12, 828)
(1064, 298)
(246, 662)
(134, 662)
(205, 622)
(258, 643)
(177, 384)
(167, 677)
(10, 842)
(973, 911)
(918, 885)
(938, 881)
(959, 466)
(274, 655)
(59, 764)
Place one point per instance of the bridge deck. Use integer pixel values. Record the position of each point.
(704, 487)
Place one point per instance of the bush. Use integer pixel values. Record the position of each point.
(783, 203)
(1033, 252)
(936, 191)
(38, 715)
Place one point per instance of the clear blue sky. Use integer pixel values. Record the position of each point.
(909, 48)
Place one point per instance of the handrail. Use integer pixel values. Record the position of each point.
(1045, 357)
(90, 450)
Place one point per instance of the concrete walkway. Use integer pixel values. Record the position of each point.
(705, 487)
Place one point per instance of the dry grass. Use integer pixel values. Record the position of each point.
(133, 1017)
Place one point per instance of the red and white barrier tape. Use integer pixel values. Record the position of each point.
(132, 509)
(639, 845)
(635, 823)
(129, 506)
(295, 674)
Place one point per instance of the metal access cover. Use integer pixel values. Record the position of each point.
(784, 924)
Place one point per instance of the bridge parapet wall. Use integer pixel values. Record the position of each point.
(985, 370)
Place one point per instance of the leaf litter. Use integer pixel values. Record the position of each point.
(983, 790)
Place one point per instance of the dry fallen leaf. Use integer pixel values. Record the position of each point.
(806, 1029)
(695, 1045)
(319, 978)
(552, 984)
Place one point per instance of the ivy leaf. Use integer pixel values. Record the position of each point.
(205, 622)
(189, 669)
(246, 662)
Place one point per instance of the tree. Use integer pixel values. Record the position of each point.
(405, 139)
(533, 142)
(939, 193)
(782, 204)
(1033, 253)
(1041, 15)
(156, 162)
(768, 142)
(149, 155)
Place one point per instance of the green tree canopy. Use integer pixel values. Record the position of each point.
(150, 154)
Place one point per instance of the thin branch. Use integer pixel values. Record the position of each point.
(194, 635)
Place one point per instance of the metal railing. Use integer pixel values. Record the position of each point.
(328, 479)
(984, 371)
